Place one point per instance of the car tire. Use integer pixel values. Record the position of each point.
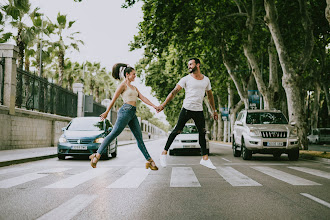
(246, 153)
(293, 155)
(277, 155)
(106, 155)
(61, 157)
(114, 154)
(236, 153)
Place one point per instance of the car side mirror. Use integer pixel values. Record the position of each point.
(64, 128)
(239, 123)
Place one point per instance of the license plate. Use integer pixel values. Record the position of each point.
(79, 148)
(188, 146)
(277, 144)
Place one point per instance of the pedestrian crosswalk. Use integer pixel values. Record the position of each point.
(180, 176)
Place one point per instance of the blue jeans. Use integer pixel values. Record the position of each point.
(126, 116)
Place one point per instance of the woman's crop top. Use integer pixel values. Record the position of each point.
(129, 95)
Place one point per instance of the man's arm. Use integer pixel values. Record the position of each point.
(211, 100)
(170, 96)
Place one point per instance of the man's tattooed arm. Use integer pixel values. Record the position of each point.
(170, 96)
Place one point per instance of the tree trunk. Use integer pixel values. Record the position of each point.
(316, 105)
(273, 85)
(327, 11)
(290, 80)
(325, 86)
(21, 48)
(27, 64)
(61, 67)
(230, 69)
(220, 123)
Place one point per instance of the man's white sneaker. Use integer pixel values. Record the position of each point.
(208, 164)
(163, 160)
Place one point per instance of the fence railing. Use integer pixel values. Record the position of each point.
(36, 93)
(97, 110)
(2, 78)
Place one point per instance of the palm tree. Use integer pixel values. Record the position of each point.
(16, 10)
(64, 42)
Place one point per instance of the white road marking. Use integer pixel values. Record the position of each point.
(285, 177)
(132, 179)
(316, 199)
(28, 177)
(183, 177)
(236, 178)
(312, 171)
(12, 169)
(70, 208)
(225, 159)
(78, 179)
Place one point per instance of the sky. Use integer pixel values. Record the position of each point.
(106, 30)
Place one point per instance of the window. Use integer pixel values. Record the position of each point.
(265, 118)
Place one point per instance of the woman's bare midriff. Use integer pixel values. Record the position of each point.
(131, 103)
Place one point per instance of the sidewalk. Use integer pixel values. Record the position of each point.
(16, 156)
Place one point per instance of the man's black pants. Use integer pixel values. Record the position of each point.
(199, 120)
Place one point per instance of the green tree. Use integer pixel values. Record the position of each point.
(64, 41)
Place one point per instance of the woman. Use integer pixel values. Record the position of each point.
(126, 114)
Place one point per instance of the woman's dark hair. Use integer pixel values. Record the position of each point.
(116, 69)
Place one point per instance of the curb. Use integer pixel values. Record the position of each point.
(30, 159)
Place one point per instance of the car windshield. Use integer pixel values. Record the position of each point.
(86, 124)
(265, 118)
(189, 129)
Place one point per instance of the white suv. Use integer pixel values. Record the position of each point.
(265, 132)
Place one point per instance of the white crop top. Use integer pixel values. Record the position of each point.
(129, 95)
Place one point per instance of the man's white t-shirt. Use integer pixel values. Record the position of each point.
(195, 91)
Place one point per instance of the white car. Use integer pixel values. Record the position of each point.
(188, 140)
(265, 132)
(319, 136)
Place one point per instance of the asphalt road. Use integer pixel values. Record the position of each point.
(121, 188)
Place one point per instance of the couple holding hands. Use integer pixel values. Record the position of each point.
(195, 85)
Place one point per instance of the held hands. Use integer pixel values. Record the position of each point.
(104, 115)
(159, 108)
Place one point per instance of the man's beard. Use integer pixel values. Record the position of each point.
(193, 69)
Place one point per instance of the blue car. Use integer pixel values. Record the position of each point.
(83, 136)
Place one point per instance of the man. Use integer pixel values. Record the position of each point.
(195, 85)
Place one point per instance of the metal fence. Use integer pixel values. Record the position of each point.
(2, 78)
(36, 93)
(97, 110)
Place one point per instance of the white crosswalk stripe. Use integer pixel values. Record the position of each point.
(12, 169)
(312, 171)
(183, 177)
(285, 177)
(28, 177)
(132, 179)
(69, 209)
(235, 178)
(316, 199)
(78, 179)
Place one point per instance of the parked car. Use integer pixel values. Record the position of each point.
(319, 136)
(187, 140)
(83, 136)
(264, 132)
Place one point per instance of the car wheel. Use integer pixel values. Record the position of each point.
(277, 155)
(246, 154)
(236, 153)
(61, 157)
(293, 155)
(114, 154)
(106, 154)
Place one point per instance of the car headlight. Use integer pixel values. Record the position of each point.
(62, 140)
(254, 132)
(99, 140)
(293, 132)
